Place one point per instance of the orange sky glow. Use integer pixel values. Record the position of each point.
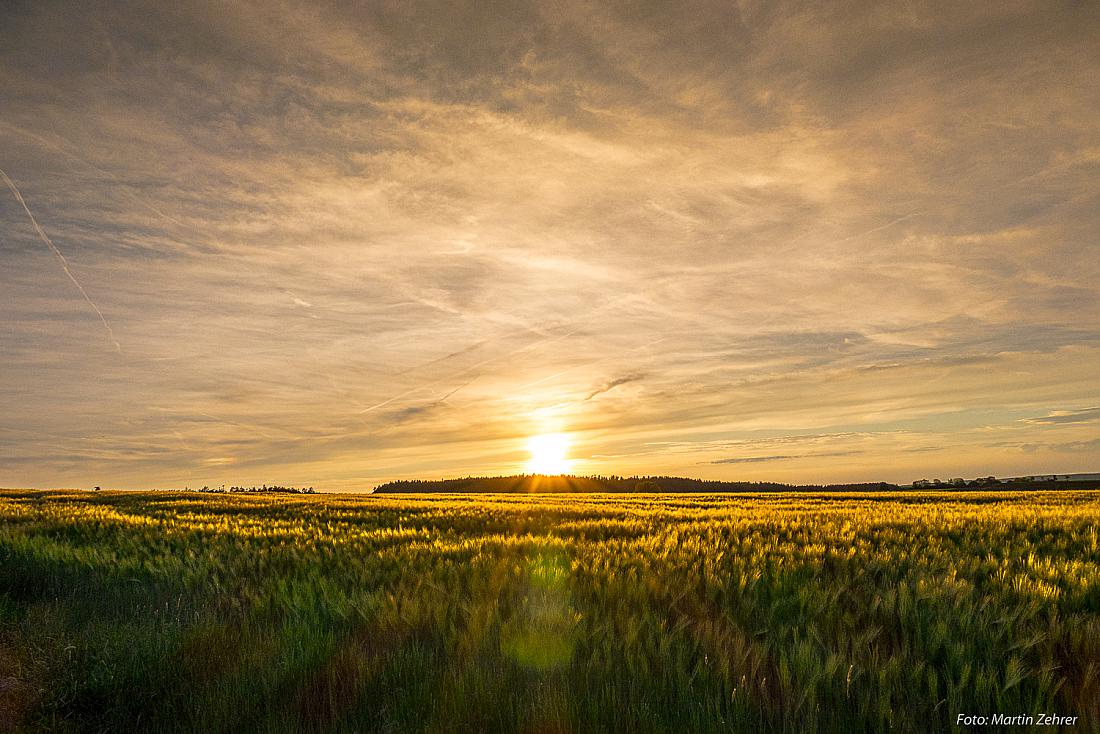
(320, 245)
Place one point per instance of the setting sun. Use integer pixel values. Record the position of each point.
(548, 454)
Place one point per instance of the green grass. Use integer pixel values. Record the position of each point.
(553, 613)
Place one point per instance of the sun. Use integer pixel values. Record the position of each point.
(548, 454)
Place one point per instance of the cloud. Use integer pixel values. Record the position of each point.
(307, 226)
(1048, 447)
(1083, 446)
(612, 384)
(1060, 417)
(787, 457)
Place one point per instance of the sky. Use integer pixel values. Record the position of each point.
(333, 245)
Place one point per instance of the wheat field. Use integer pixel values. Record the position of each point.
(546, 613)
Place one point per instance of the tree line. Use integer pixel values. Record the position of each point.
(246, 490)
(526, 483)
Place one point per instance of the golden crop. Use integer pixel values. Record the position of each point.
(782, 612)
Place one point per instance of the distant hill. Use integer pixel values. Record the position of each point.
(527, 483)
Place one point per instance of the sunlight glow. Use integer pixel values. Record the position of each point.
(548, 454)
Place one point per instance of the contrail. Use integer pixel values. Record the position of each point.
(69, 154)
(881, 227)
(61, 259)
